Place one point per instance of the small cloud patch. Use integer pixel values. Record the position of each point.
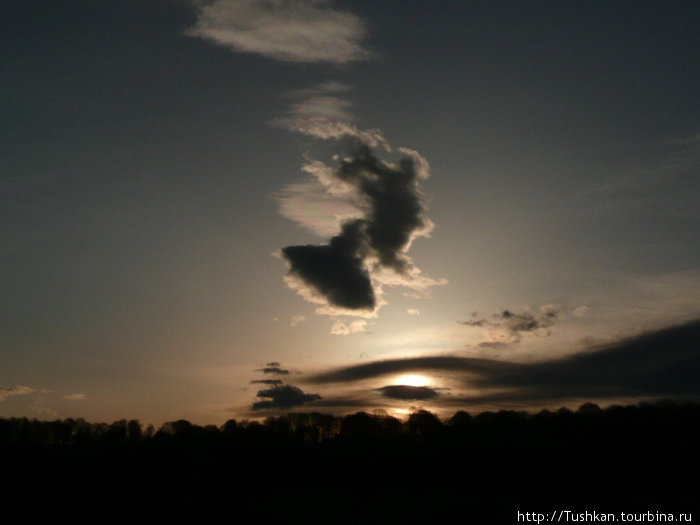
(273, 368)
(75, 397)
(6, 392)
(283, 396)
(509, 326)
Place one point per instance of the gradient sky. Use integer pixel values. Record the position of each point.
(518, 183)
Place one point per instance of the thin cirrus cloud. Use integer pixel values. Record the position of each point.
(322, 100)
(296, 320)
(322, 112)
(666, 182)
(321, 204)
(304, 31)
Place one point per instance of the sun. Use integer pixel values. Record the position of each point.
(412, 380)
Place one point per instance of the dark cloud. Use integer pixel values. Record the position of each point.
(347, 272)
(273, 368)
(275, 382)
(511, 325)
(394, 366)
(283, 396)
(663, 363)
(336, 270)
(493, 344)
(395, 207)
(358, 402)
(408, 392)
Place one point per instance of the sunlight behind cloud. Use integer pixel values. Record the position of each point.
(412, 380)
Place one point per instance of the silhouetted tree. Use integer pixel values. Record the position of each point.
(424, 425)
(229, 428)
(462, 420)
(133, 430)
(589, 408)
(359, 425)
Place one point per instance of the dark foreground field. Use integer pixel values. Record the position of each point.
(315, 468)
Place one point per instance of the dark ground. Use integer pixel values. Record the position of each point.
(314, 468)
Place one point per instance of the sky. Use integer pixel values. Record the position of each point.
(240, 208)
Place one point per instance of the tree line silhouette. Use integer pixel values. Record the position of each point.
(367, 467)
(632, 424)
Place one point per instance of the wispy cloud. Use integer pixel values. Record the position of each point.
(296, 319)
(581, 311)
(6, 392)
(310, 205)
(322, 100)
(322, 203)
(665, 181)
(322, 112)
(75, 397)
(287, 30)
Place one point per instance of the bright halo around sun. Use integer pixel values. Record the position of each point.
(412, 380)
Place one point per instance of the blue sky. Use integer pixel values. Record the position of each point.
(159, 158)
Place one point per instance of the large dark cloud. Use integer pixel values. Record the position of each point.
(395, 210)
(283, 396)
(663, 363)
(336, 271)
(345, 272)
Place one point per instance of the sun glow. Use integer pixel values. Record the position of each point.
(412, 380)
